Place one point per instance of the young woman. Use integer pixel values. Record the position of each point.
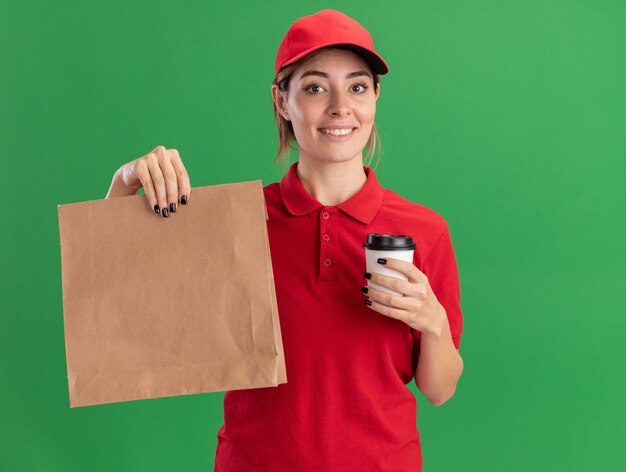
(349, 349)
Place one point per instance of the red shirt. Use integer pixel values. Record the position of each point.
(345, 406)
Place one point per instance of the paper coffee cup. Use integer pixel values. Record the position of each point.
(396, 246)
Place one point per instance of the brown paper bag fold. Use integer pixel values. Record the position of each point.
(155, 307)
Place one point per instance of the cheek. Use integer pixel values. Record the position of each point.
(366, 111)
(369, 112)
(367, 122)
(301, 123)
(301, 117)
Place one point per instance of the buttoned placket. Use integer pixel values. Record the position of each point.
(327, 244)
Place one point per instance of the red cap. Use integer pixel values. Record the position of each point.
(327, 28)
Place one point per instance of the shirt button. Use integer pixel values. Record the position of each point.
(327, 262)
(326, 237)
(325, 215)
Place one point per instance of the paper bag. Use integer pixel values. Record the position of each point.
(156, 307)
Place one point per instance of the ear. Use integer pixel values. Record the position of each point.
(279, 100)
(377, 90)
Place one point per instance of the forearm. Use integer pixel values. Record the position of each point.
(439, 365)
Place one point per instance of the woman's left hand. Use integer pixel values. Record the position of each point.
(419, 307)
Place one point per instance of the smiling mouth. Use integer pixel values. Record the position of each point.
(336, 132)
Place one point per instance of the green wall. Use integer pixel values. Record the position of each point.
(507, 117)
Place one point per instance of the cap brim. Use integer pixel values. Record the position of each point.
(376, 62)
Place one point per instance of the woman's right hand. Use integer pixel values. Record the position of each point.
(162, 175)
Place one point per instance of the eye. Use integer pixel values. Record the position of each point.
(313, 86)
(363, 85)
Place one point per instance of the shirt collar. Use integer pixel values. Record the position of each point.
(363, 206)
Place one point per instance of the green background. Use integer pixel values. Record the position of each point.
(506, 117)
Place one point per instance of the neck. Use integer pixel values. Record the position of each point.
(332, 183)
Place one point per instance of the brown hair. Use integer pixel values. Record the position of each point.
(286, 136)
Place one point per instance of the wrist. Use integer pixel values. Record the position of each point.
(118, 188)
(440, 325)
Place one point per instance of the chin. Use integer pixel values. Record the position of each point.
(338, 154)
(335, 152)
(338, 157)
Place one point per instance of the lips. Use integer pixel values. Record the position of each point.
(337, 137)
(337, 131)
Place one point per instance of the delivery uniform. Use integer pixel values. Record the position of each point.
(345, 406)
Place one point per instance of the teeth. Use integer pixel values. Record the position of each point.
(337, 132)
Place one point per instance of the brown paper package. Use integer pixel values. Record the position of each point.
(156, 307)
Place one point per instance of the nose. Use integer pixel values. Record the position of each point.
(339, 104)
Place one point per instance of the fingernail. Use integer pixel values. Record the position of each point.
(368, 302)
(364, 289)
(183, 199)
(173, 207)
(157, 209)
(165, 213)
(380, 260)
(367, 275)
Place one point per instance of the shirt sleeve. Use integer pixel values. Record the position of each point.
(441, 269)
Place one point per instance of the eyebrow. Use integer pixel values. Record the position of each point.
(357, 73)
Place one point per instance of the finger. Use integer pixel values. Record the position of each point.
(169, 176)
(182, 177)
(141, 172)
(397, 313)
(389, 299)
(411, 289)
(158, 181)
(404, 267)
